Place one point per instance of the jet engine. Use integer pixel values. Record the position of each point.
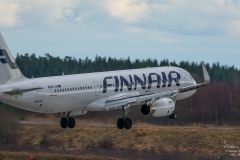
(160, 108)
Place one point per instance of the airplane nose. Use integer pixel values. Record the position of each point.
(194, 82)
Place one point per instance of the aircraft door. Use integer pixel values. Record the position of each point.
(39, 94)
(97, 88)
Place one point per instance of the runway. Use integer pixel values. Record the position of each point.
(91, 124)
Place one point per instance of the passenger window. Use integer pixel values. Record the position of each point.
(73, 89)
(78, 88)
(91, 87)
(65, 89)
(85, 87)
(55, 90)
(70, 89)
(88, 87)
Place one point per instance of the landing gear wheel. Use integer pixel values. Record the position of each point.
(125, 122)
(128, 123)
(120, 123)
(71, 122)
(174, 116)
(63, 122)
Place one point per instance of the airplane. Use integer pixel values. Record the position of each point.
(155, 89)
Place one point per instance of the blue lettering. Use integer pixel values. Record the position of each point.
(123, 80)
(138, 80)
(105, 84)
(178, 76)
(150, 81)
(116, 83)
(164, 79)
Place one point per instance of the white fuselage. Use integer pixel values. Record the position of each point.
(89, 92)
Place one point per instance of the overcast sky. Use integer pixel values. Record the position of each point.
(192, 30)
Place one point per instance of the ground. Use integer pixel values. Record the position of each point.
(45, 139)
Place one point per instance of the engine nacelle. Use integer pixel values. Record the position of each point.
(162, 107)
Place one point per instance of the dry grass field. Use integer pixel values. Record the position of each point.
(46, 140)
(49, 156)
(58, 142)
(153, 139)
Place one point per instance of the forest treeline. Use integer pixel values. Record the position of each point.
(48, 65)
(219, 102)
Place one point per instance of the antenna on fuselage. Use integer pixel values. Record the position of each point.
(63, 73)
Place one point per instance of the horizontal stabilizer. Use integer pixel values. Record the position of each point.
(19, 91)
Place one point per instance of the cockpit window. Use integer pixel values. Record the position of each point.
(1, 52)
(191, 77)
(3, 60)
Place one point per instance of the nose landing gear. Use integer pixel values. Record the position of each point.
(173, 116)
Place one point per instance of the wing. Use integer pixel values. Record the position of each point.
(149, 98)
(137, 99)
(19, 91)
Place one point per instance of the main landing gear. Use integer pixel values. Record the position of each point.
(125, 122)
(67, 122)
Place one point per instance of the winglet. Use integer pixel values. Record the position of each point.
(207, 79)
